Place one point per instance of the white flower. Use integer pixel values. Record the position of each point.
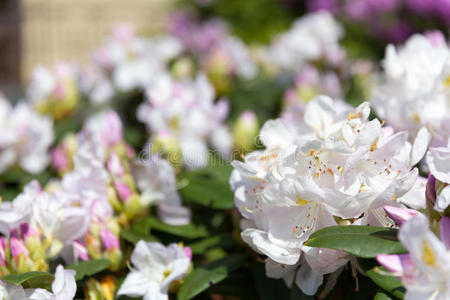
(155, 268)
(186, 110)
(413, 90)
(310, 38)
(156, 180)
(64, 287)
(25, 138)
(330, 167)
(438, 160)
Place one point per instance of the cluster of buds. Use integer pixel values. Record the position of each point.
(102, 241)
(23, 251)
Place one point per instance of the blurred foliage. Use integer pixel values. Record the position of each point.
(255, 21)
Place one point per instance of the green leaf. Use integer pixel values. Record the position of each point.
(88, 268)
(361, 241)
(202, 246)
(189, 231)
(381, 296)
(389, 283)
(209, 186)
(380, 276)
(209, 274)
(134, 237)
(33, 279)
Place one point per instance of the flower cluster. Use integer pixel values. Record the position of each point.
(334, 168)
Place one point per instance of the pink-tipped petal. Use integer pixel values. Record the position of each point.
(398, 264)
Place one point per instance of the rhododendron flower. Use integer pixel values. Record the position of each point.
(25, 139)
(155, 268)
(312, 37)
(425, 270)
(54, 92)
(412, 92)
(187, 111)
(333, 166)
(132, 62)
(156, 180)
(438, 160)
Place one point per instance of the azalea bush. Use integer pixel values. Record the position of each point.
(193, 165)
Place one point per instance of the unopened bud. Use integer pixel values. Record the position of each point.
(108, 286)
(245, 131)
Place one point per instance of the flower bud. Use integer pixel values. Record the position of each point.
(93, 246)
(183, 68)
(108, 286)
(123, 191)
(93, 290)
(399, 215)
(80, 251)
(109, 240)
(2, 252)
(132, 206)
(166, 144)
(245, 131)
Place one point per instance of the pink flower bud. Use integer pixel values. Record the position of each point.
(2, 252)
(109, 240)
(26, 230)
(114, 165)
(399, 215)
(80, 251)
(123, 190)
(188, 252)
(59, 159)
(17, 247)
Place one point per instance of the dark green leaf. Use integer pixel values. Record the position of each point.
(33, 279)
(134, 237)
(202, 246)
(361, 241)
(189, 231)
(88, 268)
(380, 276)
(207, 275)
(269, 288)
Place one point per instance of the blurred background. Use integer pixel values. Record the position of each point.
(35, 32)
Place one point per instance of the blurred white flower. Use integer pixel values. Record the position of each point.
(155, 267)
(312, 37)
(25, 137)
(186, 111)
(413, 90)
